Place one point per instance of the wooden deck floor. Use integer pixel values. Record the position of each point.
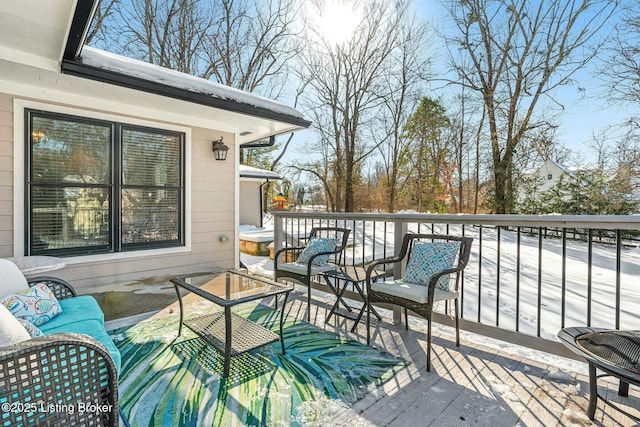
(470, 385)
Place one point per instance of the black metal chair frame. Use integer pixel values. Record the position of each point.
(305, 279)
(29, 370)
(424, 310)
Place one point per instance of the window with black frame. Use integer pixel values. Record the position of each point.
(96, 186)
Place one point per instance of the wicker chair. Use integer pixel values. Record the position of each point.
(303, 273)
(420, 298)
(58, 379)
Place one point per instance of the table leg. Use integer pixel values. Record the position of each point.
(181, 310)
(338, 294)
(365, 303)
(227, 341)
(593, 391)
(284, 304)
(339, 297)
(623, 389)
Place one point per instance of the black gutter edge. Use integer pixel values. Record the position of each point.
(78, 69)
(255, 144)
(82, 17)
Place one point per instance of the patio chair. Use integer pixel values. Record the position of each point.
(433, 266)
(325, 244)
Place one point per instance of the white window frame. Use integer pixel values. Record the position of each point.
(19, 106)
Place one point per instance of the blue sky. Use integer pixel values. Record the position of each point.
(582, 118)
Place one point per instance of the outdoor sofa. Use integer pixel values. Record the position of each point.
(65, 372)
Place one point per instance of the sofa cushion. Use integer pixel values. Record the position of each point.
(11, 331)
(412, 291)
(428, 258)
(11, 278)
(36, 305)
(94, 329)
(76, 309)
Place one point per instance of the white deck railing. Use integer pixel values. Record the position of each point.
(528, 277)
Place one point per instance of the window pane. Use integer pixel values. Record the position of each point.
(69, 151)
(150, 158)
(150, 215)
(69, 217)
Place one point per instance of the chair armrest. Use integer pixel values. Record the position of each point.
(279, 252)
(59, 369)
(371, 268)
(60, 288)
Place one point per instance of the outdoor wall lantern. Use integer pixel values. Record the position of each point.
(219, 149)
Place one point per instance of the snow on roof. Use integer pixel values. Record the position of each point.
(567, 169)
(137, 69)
(251, 172)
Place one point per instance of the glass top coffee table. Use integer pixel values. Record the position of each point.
(226, 331)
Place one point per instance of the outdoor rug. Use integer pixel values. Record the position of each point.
(168, 380)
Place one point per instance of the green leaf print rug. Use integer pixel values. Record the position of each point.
(168, 380)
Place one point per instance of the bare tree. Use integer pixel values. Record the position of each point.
(347, 87)
(406, 84)
(252, 44)
(514, 54)
(622, 68)
(103, 13)
(246, 44)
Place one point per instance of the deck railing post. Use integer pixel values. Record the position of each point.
(400, 228)
(278, 233)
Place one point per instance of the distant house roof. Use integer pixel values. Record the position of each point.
(251, 172)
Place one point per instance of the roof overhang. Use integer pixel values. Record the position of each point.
(116, 70)
(39, 38)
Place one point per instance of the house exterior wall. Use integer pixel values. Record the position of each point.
(6, 176)
(250, 208)
(548, 175)
(210, 204)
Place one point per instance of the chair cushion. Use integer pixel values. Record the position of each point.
(11, 279)
(75, 310)
(412, 291)
(317, 245)
(301, 269)
(427, 258)
(11, 331)
(36, 305)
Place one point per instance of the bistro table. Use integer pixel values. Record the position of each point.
(226, 331)
(342, 277)
(615, 352)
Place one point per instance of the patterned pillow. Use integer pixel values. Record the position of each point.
(11, 331)
(32, 329)
(315, 246)
(427, 258)
(36, 305)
